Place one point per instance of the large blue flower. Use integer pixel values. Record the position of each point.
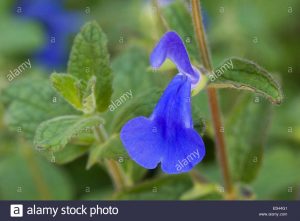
(58, 24)
(167, 136)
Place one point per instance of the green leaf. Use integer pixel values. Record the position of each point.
(31, 101)
(79, 94)
(286, 119)
(54, 134)
(89, 98)
(280, 170)
(110, 149)
(246, 129)
(68, 87)
(25, 175)
(179, 18)
(67, 154)
(243, 74)
(130, 74)
(89, 57)
(163, 188)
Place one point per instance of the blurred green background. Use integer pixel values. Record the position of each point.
(266, 32)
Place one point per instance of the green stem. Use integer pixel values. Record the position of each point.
(213, 99)
(115, 171)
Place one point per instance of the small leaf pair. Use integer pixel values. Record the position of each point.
(88, 84)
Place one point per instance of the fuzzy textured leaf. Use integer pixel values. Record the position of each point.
(31, 101)
(238, 73)
(89, 57)
(246, 131)
(67, 154)
(68, 87)
(54, 134)
(79, 94)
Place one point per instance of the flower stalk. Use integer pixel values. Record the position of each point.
(213, 99)
(115, 171)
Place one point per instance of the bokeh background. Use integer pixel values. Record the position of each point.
(263, 31)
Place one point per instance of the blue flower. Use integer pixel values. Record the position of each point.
(58, 24)
(167, 136)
